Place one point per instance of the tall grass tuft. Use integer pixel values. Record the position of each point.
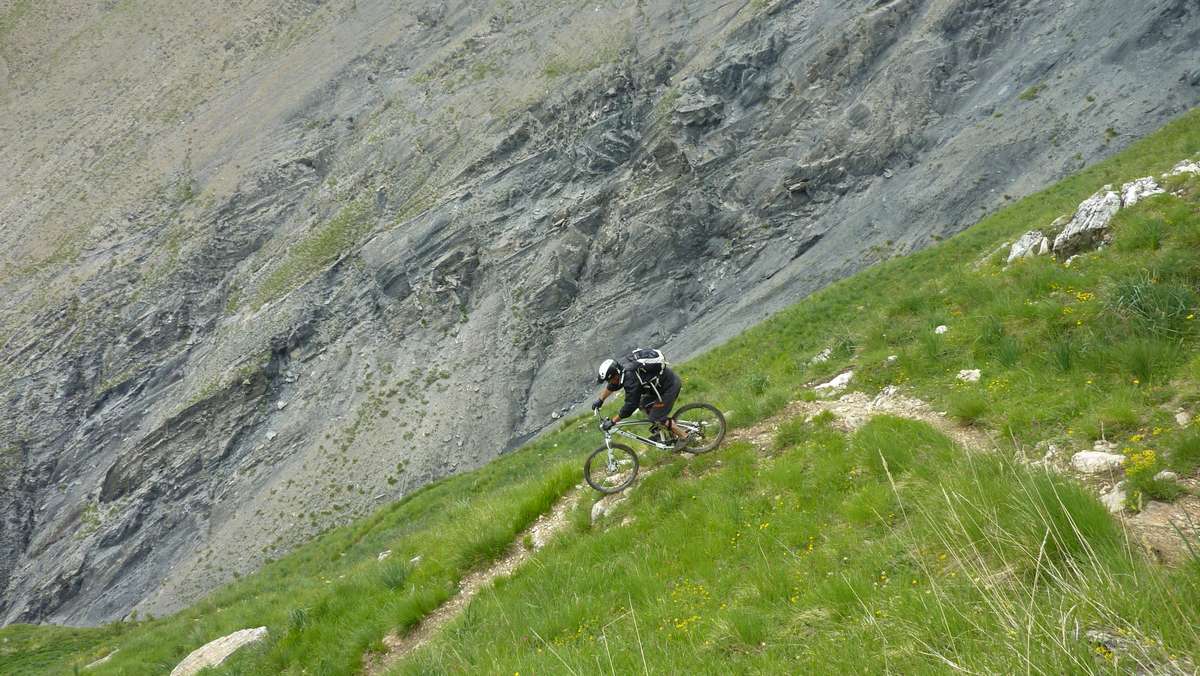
(1145, 360)
(1062, 354)
(1152, 306)
(392, 575)
(1185, 452)
(968, 407)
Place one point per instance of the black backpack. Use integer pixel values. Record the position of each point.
(649, 366)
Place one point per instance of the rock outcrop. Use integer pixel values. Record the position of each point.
(214, 653)
(1032, 243)
(1136, 191)
(1090, 223)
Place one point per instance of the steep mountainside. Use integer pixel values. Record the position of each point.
(835, 530)
(267, 264)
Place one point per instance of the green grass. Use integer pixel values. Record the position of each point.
(1185, 452)
(331, 600)
(1032, 93)
(316, 250)
(886, 550)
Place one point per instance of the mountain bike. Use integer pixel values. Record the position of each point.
(613, 466)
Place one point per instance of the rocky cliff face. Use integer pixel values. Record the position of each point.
(267, 265)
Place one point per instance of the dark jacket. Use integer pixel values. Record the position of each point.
(638, 395)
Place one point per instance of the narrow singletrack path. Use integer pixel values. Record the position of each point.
(540, 534)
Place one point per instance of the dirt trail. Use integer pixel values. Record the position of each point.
(540, 533)
(853, 410)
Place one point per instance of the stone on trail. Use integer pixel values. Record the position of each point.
(838, 384)
(885, 395)
(212, 654)
(599, 510)
(1028, 246)
(970, 375)
(1095, 462)
(1090, 223)
(1136, 191)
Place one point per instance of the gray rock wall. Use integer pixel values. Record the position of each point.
(268, 267)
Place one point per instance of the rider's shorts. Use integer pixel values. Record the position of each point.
(660, 411)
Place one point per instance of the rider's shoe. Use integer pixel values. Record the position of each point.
(678, 444)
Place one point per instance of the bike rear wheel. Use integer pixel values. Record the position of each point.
(611, 469)
(704, 423)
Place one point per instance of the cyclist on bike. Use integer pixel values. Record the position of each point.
(649, 384)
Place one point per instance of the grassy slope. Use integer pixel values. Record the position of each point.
(1104, 346)
(814, 561)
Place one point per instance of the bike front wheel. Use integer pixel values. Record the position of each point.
(611, 469)
(705, 426)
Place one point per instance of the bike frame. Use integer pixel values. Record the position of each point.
(622, 429)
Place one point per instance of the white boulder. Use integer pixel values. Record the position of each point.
(970, 375)
(1096, 462)
(1114, 499)
(1090, 222)
(1166, 475)
(838, 384)
(599, 510)
(1185, 167)
(1028, 245)
(941, 329)
(383, 555)
(1183, 418)
(1135, 191)
(212, 654)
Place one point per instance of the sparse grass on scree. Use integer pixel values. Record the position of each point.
(886, 549)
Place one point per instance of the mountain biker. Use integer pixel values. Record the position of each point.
(653, 388)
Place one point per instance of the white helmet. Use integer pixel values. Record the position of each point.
(608, 369)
